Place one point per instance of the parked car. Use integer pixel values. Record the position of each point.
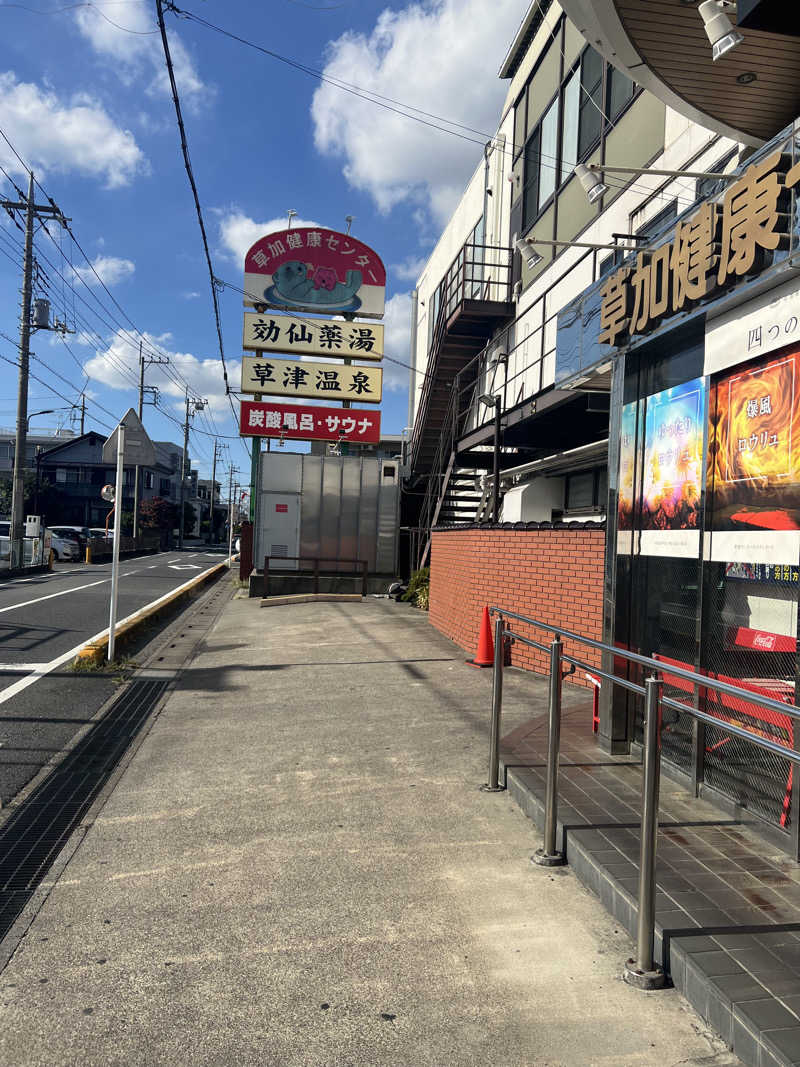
(64, 548)
(79, 533)
(100, 531)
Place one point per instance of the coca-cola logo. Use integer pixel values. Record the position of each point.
(765, 641)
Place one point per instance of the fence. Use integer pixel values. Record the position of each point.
(749, 703)
(359, 570)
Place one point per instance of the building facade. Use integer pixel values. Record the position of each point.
(75, 470)
(648, 385)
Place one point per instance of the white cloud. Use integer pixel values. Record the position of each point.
(397, 341)
(134, 47)
(111, 270)
(410, 269)
(52, 135)
(191, 295)
(204, 375)
(238, 232)
(441, 56)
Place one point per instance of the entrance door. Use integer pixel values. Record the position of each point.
(281, 529)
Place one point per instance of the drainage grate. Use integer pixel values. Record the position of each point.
(36, 832)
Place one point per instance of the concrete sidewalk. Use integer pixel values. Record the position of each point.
(298, 868)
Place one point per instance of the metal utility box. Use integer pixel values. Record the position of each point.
(327, 507)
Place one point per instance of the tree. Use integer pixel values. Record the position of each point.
(188, 518)
(157, 514)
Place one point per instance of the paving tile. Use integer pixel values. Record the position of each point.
(769, 1014)
(745, 1042)
(720, 1016)
(784, 1041)
(717, 962)
(740, 987)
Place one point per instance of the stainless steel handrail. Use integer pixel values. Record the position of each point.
(640, 971)
(658, 665)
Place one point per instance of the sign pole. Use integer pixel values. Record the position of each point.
(112, 622)
(255, 460)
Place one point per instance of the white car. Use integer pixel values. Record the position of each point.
(64, 549)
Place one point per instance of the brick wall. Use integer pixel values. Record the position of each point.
(552, 573)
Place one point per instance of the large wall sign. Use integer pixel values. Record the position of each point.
(312, 337)
(296, 422)
(316, 271)
(672, 471)
(764, 324)
(754, 464)
(711, 249)
(326, 381)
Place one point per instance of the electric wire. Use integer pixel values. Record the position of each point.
(188, 167)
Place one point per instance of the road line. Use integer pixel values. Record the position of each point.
(23, 667)
(50, 596)
(23, 683)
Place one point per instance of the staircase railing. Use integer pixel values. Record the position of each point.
(478, 272)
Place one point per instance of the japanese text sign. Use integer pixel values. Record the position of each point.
(709, 250)
(315, 270)
(296, 422)
(312, 337)
(328, 381)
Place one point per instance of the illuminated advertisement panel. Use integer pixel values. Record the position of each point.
(672, 471)
(754, 464)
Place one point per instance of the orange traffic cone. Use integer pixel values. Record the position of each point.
(484, 657)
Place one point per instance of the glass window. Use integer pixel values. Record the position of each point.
(591, 102)
(659, 222)
(569, 137)
(548, 152)
(619, 91)
(531, 191)
(519, 125)
(706, 187)
(580, 491)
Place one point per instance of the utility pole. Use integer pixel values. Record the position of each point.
(136, 477)
(230, 511)
(32, 211)
(136, 469)
(198, 405)
(83, 413)
(213, 492)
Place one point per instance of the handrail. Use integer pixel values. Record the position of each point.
(640, 971)
(705, 680)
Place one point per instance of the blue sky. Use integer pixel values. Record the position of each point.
(84, 100)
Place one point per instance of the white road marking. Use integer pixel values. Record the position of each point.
(174, 560)
(45, 669)
(185, 567)
(23, 667)
(50, 596)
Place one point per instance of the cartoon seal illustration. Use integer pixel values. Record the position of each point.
(292, 286)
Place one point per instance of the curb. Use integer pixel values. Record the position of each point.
(310, 598)
(94, 652)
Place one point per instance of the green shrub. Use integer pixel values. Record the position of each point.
(418, 592)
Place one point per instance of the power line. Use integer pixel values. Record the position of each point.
(188, 166)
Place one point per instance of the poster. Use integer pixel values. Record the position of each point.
(754, 467)
(672, 471)
(627, 465)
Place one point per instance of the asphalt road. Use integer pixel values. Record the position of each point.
(45, 617)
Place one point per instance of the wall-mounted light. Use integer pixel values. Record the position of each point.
(719, 28)
(592, 186)
(528, 252)
(489, 399)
